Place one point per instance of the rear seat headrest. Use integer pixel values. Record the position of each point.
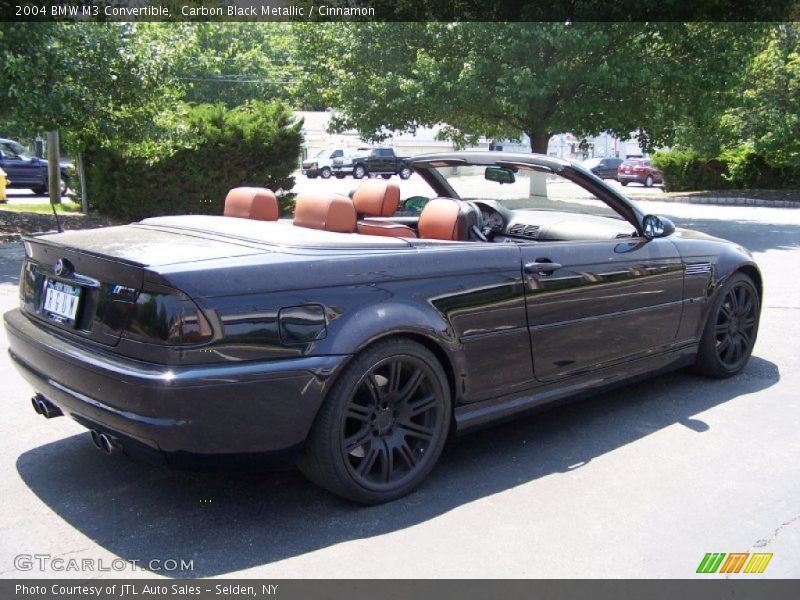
(328, 212)
(251, 203)
(376, 198)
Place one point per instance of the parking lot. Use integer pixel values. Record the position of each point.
(641, 482)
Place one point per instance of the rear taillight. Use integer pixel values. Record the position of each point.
(639, 169)
(167, 318)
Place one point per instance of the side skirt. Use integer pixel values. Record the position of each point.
(480, 414)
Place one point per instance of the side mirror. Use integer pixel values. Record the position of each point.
(499, 174)
(655, 227)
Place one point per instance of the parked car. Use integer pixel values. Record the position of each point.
(26, 171)
(343, 166)
(322, 163)
(354, 342)
(375, 161)
(605, 168)
(639, 170)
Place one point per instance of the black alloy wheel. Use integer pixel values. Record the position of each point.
(731, 329)
(384, 425)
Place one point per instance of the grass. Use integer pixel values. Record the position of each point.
(66, 207)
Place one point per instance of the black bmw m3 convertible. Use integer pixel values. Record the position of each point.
(352, 340)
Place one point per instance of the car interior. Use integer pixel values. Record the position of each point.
(372, 210)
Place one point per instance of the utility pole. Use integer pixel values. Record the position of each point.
(53, 170)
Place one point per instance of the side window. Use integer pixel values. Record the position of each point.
(337, 154)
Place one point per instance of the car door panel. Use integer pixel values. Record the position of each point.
(609, 301)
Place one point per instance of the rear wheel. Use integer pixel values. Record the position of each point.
(382, 428)
(386, 176)
(325, 173)
(649, 181)
(405, 173)
(731, 329)
(623, 183)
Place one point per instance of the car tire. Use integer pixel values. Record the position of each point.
(405, 173)
(648, 182)
(359, 172)
(730, 330)
(623, 183)
(325, 173)
(43, 189)
(339, 175)
(382, 426)
(311, 176)
(386, 176)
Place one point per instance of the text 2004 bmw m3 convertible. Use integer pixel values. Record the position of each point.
(352, 340)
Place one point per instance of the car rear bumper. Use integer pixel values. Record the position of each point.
(261, 410)
(636, 178)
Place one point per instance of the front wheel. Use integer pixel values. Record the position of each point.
(405, 173)
(731, 329)
(359, 172)
(382, 428)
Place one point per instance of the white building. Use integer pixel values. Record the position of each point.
(562, 145)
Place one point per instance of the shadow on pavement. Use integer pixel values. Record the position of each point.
(226, 522)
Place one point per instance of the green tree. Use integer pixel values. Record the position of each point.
(90, 80)
(503, 79)
(234, 63)
(768, 112)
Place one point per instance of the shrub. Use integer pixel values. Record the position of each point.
(737, 168)
(686, 170)
(214, 150)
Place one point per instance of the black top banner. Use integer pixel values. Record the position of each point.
(401, 10)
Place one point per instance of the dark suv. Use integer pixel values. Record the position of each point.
(606, 168)
(26, 171)
(639, 170)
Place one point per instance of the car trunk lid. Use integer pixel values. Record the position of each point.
(85, 283)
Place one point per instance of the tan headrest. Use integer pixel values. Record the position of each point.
(439, 220)
(251, 203)
(328, 212)
(376, 198)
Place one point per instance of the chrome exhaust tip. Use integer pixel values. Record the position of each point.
(105, 443)
(44, 407)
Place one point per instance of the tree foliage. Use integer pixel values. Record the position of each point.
(503, 79)
(234, 63)
(89, 80)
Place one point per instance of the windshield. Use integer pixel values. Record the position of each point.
(529, 190)
(12, 149)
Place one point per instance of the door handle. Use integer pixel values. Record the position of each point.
(542, 266)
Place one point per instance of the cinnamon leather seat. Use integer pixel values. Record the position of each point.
(328, 212)
(251, 203)
(377, 198)
(449, 219)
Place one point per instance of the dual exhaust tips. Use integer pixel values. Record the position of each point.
(102, 441)
(44, 407)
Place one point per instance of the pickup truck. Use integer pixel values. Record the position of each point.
(377, 161)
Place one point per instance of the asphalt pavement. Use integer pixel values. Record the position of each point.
(638, 483)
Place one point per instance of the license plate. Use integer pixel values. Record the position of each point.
(61, 301)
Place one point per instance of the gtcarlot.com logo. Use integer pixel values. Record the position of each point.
(735, 562)
(48, 562)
